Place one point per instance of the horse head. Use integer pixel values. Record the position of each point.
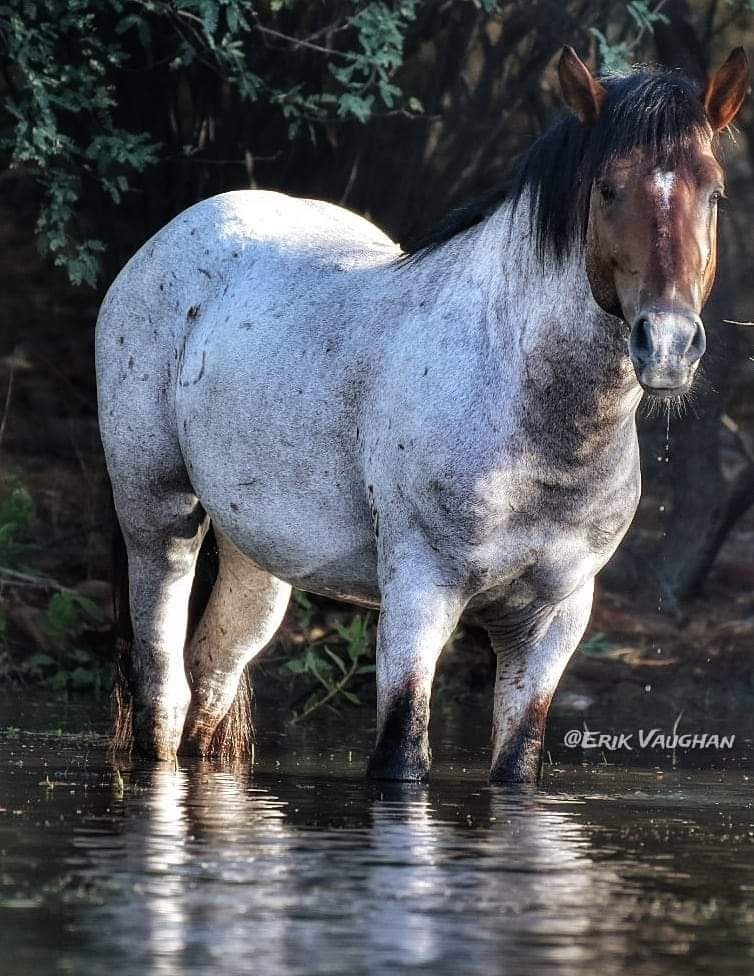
(655, 182)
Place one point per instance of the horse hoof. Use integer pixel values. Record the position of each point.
(198, 746)
(401, 769)
(198, 732)
(156, 734)
(515, 770)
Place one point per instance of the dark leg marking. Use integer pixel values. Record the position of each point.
(521, 759)
(402, 750)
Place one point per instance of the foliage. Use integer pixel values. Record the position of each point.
(58, 116)
(305, 609)
(616, 56)
(16, 516)
(75, 669)
(380, 31)
(67, 614)
(67, 61)
(63, 665)
(332, 673)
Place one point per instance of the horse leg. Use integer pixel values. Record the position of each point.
(527, 676)
(162, 542)
(245, 609)
(417, 617)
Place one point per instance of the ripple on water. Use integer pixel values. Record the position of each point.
(305, 868)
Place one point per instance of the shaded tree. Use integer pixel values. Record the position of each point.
(117, 115)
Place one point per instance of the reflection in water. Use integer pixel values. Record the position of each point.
(522, 884)
(190, 837)
(230, 871)
(205, 869)
(158, 853)
(405, 868)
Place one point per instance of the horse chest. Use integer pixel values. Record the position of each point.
(538, 541)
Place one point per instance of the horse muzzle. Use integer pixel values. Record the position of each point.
(665, 349)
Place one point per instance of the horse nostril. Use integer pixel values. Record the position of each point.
(641, 339)
(699, 341)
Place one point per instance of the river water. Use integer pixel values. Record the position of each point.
(305, 868)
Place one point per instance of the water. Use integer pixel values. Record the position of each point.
(304, 868)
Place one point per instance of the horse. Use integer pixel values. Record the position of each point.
(443, 433)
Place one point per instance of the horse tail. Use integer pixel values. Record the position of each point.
(233, 737)
(122, 707)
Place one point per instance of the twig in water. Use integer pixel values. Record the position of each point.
(6, 408)
(675, 730)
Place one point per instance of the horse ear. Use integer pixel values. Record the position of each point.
(581, 91)
(727, 89)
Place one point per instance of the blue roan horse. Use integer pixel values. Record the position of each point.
(442, 433)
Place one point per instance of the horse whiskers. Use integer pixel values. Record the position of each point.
(685, 403)
(674, 407)
(650, 406)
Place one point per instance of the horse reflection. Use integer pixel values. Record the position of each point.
(195, 843)
(526, 891)
(214, 870)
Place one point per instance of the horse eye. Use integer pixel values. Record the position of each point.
(715, 197)
(607, 191)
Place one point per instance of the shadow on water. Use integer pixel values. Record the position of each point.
(305, 868)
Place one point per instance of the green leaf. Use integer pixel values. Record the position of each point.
(359, 106)
(40, 660)
(82, 678)
(68, 611)
(336, 660)
(295, 666)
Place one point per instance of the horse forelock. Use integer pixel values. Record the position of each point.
(656, 112)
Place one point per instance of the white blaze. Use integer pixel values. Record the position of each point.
(664, 181)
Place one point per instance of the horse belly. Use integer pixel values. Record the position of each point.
(314, 542)
(280, 478)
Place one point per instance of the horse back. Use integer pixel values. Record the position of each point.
(231, 355)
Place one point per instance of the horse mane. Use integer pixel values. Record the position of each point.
(652, 109)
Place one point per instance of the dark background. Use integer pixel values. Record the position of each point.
(476, 83)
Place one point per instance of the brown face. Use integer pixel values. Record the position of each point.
(651, 246)
(651, 258)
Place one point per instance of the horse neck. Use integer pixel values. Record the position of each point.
(563, 343)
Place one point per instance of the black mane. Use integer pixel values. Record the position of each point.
(655, 110)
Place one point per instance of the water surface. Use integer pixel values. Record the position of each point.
(304, 868)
